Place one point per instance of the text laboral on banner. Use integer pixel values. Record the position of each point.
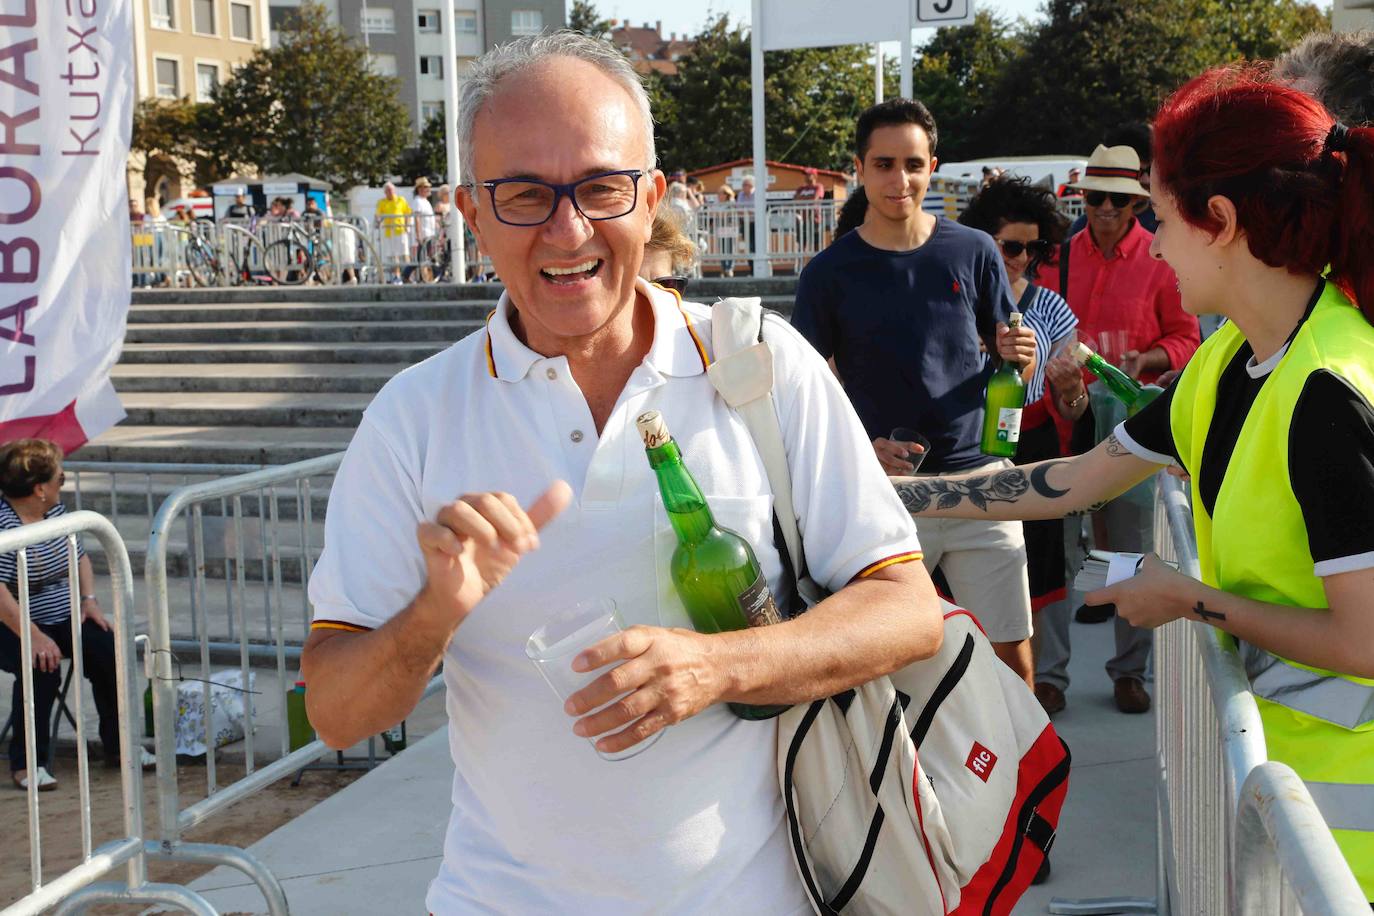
(66, 90)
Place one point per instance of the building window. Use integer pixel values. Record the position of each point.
(283, 18)
(207, 78)
(526, 22)
(384, 64)
(163, 17)
(379, 20)
(203, 16)
(427, 20)
(432, 65)
(168, 83)
(241, 21)
(429, 111)
(465, 22)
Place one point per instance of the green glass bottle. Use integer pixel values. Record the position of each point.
(714, 570)
(1006, 398)
(1126, 389)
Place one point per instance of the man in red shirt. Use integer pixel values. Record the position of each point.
(1128, 306)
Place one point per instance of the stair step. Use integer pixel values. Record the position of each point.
(704, 289)
(308, 311)
(291, 331)
(367, 378)
(408, 352)
(227, 408)
(237, 444)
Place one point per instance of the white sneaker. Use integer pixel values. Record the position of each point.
(46, 781)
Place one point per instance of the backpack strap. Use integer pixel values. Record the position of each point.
(1064, 270)
(742, 372)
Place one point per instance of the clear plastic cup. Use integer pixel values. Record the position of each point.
(905, 434)
(554, 645)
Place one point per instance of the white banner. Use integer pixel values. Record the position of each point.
(66, 97)
(823, 23)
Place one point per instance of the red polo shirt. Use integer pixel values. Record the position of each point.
(1129, 292)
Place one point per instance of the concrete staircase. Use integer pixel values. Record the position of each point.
(271, 376)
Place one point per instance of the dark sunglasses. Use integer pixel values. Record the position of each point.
(1097, 198)
(676, 284)
(1013, 249)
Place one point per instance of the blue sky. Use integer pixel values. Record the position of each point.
(688, 16)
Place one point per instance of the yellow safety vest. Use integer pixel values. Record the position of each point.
(1321, 723)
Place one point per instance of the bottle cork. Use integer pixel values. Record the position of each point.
(1014, 320)
(652, 428)
(1081, 353)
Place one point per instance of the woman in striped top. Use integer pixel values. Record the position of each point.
(1025, 222)
(31, 481)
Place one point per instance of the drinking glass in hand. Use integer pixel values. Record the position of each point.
(907, 436)
(554, 645)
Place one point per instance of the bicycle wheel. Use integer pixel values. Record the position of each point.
(247, 257)
(287, 261)
(322, 257)
(201, 263)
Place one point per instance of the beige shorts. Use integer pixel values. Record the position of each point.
(985, 564)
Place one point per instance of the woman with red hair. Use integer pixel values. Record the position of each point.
(1266, 214)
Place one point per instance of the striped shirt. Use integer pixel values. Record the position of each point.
(49, 598)
(1046, 313)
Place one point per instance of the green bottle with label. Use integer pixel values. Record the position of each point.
(714, 570)
(1124, 388)
(1006, 398)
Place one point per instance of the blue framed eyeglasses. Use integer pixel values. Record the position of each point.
(531, 202)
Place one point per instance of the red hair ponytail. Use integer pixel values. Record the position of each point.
(1302, 205)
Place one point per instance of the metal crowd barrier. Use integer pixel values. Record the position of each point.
(80, 885)
(257, 493)
(1234, 834)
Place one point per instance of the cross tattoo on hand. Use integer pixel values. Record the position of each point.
(1205, 615)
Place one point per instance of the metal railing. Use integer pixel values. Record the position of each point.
(1226, 842)
(187, 505)
(80, 884)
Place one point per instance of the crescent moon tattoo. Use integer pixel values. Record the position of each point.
(1042, 486)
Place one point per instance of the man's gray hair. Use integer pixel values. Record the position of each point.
(505, 60)
(1335, 68)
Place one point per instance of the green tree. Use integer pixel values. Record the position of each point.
(429, 157)
(312, 105)
(956, 76)
(1095, 63)
(584, 17)
(812, 97)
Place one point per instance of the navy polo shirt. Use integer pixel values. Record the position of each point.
(903, 328)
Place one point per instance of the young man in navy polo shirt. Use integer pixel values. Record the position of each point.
(899, 307)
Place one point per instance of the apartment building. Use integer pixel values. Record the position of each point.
(405, 38)
(182, 49)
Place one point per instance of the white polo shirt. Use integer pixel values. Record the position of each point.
(540, 823)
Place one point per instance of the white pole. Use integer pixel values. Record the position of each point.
(906, 64)
(455, 173)
(762, 268)
(877, 73)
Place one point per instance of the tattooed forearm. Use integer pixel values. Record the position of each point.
(1001, 487)
(1088, 511)
(1115, 449)
(1207, 616)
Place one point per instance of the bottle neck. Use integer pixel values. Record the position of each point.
(688, 512)
(1125, 387)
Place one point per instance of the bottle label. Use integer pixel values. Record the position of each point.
(757, 604)
(1009, 425)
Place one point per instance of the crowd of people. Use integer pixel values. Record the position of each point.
(1262, 202)
(450, 537)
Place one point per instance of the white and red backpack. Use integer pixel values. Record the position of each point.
(935, 790)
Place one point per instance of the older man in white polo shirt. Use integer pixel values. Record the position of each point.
(429, 555)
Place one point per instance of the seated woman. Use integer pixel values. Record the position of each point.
(31, 481)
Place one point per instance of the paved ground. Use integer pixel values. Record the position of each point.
(1105, 846)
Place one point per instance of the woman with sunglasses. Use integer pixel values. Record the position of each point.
(31, 481)
(670, 255)
(1266, 214)
(1026, 223)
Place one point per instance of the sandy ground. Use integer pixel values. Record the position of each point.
(60, 822)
